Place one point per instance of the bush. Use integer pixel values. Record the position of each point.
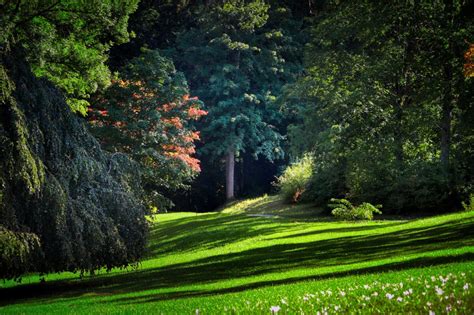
(469, 206)
(294, 180)
(344, 210)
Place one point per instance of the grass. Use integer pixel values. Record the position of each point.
(238, 261)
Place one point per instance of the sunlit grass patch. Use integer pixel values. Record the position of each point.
(227, 262)
(439, 293)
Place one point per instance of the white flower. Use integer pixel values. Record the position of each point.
(389, 296)
(439, 291)
(284, 301)
(399, 299)
(342, 293)
(375, 294)
(429, 304)
(466, 286)
(275, 309)
(197, 311)
(433, 279)
(448, 308)
(431, 312)
(463, 274)
(305, 298)
(336, 307)
(366, 286)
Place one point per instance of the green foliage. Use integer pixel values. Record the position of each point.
(344, 210)
(67, 41)
(148, 114)
(238, 66)
(377, 109)
(469, 205)
(294, 180)
(66, 204)
(19, 253)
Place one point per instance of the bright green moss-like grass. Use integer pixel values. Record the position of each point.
(231, 262)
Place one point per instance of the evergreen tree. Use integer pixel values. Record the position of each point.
(64, 203)
(237, 66)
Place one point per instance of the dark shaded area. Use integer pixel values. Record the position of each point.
(254, 177)
(56, 183)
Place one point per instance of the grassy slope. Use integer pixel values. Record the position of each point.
(231, 260)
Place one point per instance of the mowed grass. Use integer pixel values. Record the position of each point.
(259, 256)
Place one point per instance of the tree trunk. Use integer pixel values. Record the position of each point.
(229, 174)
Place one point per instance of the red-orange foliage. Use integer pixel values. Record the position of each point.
(173, 122)
(469, 61)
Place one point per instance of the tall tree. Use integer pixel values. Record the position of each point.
(237, 65)
(64, 203)
(378, 104)
(148, 114)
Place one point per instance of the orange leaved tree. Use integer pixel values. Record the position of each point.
(148, 114)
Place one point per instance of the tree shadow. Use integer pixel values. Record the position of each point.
(277, 258)
(341, 230)
(414, 263)
(205, 232)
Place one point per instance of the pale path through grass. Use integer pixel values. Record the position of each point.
(231, 262)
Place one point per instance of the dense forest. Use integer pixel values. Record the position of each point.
(113, 110)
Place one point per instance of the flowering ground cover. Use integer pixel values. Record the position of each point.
(294, 260)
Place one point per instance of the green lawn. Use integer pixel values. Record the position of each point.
(292, 258)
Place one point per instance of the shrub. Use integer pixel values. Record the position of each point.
(294, 180)
(344, 210)
(469, 206)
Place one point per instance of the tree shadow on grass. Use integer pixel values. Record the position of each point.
(413, 263)
(277, 258)
(206, 232)
(341, 230)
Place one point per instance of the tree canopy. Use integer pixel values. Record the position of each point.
(148, 114)
(237, 67)
(67, 41)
